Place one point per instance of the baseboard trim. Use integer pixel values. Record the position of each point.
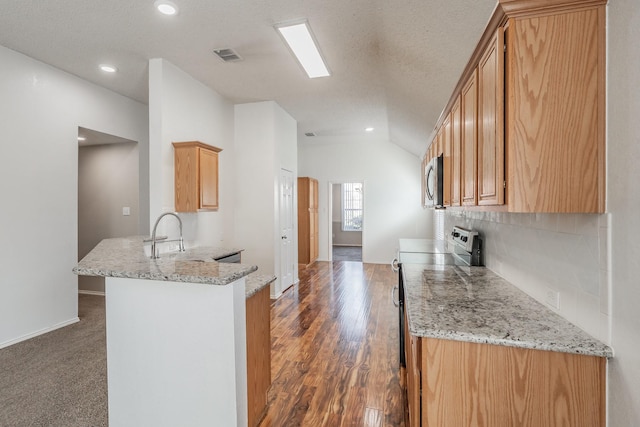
(86, 292)
(39, 332)
(347, 245)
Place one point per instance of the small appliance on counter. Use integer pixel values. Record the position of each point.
(463, 248)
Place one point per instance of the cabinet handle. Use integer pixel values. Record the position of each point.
(395, 301)
(394, 265)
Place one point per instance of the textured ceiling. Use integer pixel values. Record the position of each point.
(394, 63)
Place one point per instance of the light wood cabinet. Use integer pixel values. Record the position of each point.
(460, 383)
(456, 153)
(307, 220)
(491, 183)
(196, 176)
(532, 110)
(412, 358)
(258, 319)
(469, 143)
(445, 140)
(555, 111)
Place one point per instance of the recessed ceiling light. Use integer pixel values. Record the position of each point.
(303, 45)
(369, 129)
(108, 68)
(166, 7)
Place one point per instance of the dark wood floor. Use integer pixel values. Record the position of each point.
(335, 349)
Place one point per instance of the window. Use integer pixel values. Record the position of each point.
(352, 206)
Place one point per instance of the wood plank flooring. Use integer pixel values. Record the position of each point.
(334, 342)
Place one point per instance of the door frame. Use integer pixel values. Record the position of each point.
(330, 214)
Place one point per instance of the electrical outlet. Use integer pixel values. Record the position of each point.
(553, 298)
(126, 211)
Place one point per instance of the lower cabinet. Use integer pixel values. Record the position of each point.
(469, 384)
(258, 354)
(412, 359)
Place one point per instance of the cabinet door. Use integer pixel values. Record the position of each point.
(556, 112)
(491, 123)
(456, 154)
(413, 360)
(208, 179)
(258, 354)
(469, 111)
(313, 218)
(446, 151)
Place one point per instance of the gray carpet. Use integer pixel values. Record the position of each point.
(347, 253)
(60, 378)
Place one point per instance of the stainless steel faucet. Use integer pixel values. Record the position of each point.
(154, 254)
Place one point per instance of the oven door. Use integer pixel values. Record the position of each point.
(399, 302)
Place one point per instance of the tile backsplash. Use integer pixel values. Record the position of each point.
(544, 254)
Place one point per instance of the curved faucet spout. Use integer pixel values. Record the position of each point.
(154, 254)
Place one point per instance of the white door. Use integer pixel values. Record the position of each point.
(286, 230)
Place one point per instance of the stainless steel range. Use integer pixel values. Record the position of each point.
(464, 247)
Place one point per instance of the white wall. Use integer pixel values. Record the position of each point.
(107, 182)
(265, 141)
(391, 178)
(183, 109)
(41, 109)
(565, 253)
(623, 202)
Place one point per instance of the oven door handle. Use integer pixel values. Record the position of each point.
(394, 265)
(395, 301)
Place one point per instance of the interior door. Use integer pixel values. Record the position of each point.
(286, 230)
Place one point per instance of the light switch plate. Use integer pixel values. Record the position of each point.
(126, 211)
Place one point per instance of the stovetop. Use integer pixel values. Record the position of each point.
(463, 248)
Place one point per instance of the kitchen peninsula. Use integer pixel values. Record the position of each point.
(176, 333)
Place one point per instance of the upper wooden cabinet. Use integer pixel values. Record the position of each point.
(456, 153)
(469, 152)
(196, 176)
(491, 184)
(446, 151)
(556, 111)
(532, 110)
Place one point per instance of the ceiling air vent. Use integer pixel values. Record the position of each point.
(227, 55)
(309, 134)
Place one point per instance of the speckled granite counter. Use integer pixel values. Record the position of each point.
(474, 304)
(125, 258)
(255, 282)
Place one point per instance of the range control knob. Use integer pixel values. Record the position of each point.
(464, 238)
(455, 234)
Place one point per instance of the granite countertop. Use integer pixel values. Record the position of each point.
(255, 282)
(474, 304)
(125, 257)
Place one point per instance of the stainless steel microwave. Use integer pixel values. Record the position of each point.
(434, 185)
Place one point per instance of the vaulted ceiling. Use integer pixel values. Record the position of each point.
(394, 63)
